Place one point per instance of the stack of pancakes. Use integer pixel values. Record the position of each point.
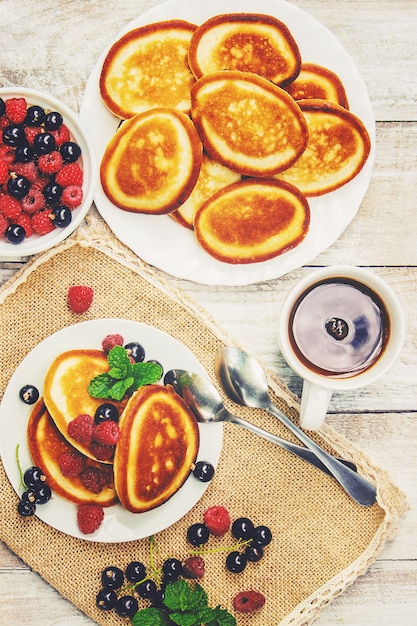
(159, 438)
(208, 107)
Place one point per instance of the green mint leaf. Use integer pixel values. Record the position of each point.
(99, 386)
(150, 617)
(146, 373)
(222, 617)
(198, 597)
(118, 389)
(119, 362)
(117, 373)
(184, 618)
(177, 595)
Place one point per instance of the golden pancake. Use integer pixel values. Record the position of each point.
(247, 123)
(46, 445)
(213, 176)
(147, 68)
(247, 42)
(152, 162)
(317, 82)
(252, 220)
(66, 389)
(337, 149)
(157, 448)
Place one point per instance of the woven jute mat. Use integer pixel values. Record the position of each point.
(322, 540)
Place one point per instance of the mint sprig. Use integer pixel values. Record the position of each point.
(186, 606)
(123, 376)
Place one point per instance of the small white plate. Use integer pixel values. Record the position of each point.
(165, 244)
(119, 524)
(40, 243)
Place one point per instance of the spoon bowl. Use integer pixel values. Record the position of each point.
(244, 381)
(205, 402)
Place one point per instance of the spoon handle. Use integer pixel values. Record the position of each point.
(300, 451)
(360, 489)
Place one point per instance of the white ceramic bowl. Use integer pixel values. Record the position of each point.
(39, 243)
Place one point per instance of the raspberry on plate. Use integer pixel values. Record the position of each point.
(248, 601)
(217, 520)
(107, 433)
(71, 464)
(80, 298)
(93, 479)
(4, 171)
(16, 110)
(72, 196)
(81, 428)
(33, 202)
(110, 341)
(89, 518)
(42, 223)
(50, 163)
(70, 174)
(10, 207)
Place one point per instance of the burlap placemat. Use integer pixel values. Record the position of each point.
(322, 539)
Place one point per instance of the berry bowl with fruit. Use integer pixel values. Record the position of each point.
(48, 172)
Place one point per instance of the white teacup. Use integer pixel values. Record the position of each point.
(341, 328)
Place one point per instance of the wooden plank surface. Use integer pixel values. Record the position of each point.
(53, 45)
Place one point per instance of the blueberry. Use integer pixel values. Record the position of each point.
(236, 562)
(53, 120)
(15, 233)
(62, 216)
(262, 535)
(106, 599)
(70, 151)
(26, 508)
(135, 572)
(23, 154)
(254, 552)
(197, 534)
(172, 570)
(52, 193)
(43, 493)
(147, 589)
(112, 577)
(14, 136)
(126, 606)
(33, 476)
(29, 394)
(44, 143)
(35, 116)
(106, 411)
(242, 528)
(136, 351)
(18, 186)
(203, 471)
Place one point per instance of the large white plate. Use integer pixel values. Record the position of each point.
(118, 524)
(165, 244)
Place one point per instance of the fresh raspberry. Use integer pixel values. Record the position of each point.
(31, 132)
(16, 110)
(4, 171)
(217, 520)
(10, 207)
(25, 222)
(71, 464)
(61, 135)
(107, 433)
(72, 196)
(70, 174)
(248, 601)
(4, 223)
(110, 341)
(4, 121)
(6, 153)
(80, 298)
(33, 201)
(193, 567)
(28, 170)
(89, 518)
(81, 428)
(93, 479)
(42, 223)
(50, 163)
(40, 183)
(101, 451)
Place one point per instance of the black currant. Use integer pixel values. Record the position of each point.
(26, 508)
(242, 528)
(262, 535)
(106, 599)
(126, 606)
(52, 193)
(43, 493)
(53, 120)
(197, 534)
(44, 143)
(18, 186)
(35, 116)
(147, 589)
(62, 216)
(254, 552)
(136, 351)
(14, 136)
(33, 476)
(106, 411)
(203, 471)
(172, 570)
(236, 562)
(135, 572)
(2, 107)
(15, 233)
(112, 577)
(70, 152)
(29, 394)
(23, 154)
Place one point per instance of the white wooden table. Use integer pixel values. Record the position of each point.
(53, 45)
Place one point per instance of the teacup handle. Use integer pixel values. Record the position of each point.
(314, 404)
